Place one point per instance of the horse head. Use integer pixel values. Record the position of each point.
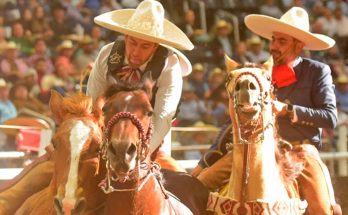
(128, 114)
(77, 143)
(250, 94)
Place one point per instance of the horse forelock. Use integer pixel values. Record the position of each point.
(123, 87)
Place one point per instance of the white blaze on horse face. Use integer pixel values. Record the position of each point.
(127, 99)
(78, 137)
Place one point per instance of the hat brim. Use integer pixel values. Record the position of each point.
(185, 64)
(265, 26)
(117, 21)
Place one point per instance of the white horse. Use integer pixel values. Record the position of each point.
(260, 182)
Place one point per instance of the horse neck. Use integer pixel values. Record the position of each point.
(263, 180)
(95, 197)
(148, 200)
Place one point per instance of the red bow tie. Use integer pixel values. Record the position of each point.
(129, 74)
(283, 75)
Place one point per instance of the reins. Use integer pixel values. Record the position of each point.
(142, 146)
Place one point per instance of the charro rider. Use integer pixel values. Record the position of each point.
(306, 103)
(145, 52)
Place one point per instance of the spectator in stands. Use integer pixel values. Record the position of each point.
(11, 66)
(197, 80)
(222, 42)
(30, 80)
(192, 108)
(61, 24)
(256, 52)
(341, 91)
(85, 53)
(41, 51)
(198, 138)
(97, 35)
(20, 97)
(18, 36)
(190, 25)
(218, 106)
(328, 22)
(40, 24)
(7, 109)
(335, 60)
(240, 53)
(65, 53)
(3, 41)
(108, 5)
(215, 78)
(335, 4)
(342, 31)
(270, 8)
(41, 69)
(26, 21)
(61, 80)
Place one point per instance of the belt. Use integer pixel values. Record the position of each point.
(300, 142)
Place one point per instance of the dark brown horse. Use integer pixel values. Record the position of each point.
(133, 182)
(73, 188)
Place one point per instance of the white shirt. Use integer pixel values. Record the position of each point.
(169, 85)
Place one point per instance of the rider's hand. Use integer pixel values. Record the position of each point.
(196, 171)
(279, 108)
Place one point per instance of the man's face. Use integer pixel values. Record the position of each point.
(284, 48)
(138, 51)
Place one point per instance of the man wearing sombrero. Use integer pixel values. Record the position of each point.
(145, 53)
(306, 102)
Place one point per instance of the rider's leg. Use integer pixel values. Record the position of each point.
(315, 183)
(33, 178)
(217, 175)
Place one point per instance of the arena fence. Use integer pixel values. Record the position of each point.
(188, 143)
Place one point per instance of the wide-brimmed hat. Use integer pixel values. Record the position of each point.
(11, 45)
(342, 79)
(3, 83)
(223, 24)
(146, 22)
(294, 22)
(65, 44)
(254, 40)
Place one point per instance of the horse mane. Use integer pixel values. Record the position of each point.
(78, 105)
(291, 163)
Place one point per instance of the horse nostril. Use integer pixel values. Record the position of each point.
(252, 86)
(58, 205)
(131, 149)
(80, 206)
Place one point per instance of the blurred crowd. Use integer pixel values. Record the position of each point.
(51, 44)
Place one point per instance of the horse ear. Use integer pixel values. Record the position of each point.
(268, 64)
(55, 105)
(148, 86)
(230, 64)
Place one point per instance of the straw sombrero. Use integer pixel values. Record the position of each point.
(294, 22)
(145, 22)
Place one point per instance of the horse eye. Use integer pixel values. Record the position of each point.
(149, 113)
(268, 78)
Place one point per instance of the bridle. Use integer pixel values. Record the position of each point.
(254, 134)
(142, 151)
